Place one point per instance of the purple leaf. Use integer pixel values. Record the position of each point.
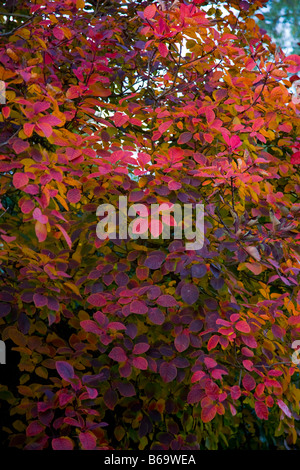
(118, 354)
(65, 370)
(110, 398)
(166, 300)
(139, 307)
(182, 342)
(156, 316)
(140, 348)
(168, 372)
(155, 260)
(189, 293)
(126, 389)
(198, 270)
(40, 300)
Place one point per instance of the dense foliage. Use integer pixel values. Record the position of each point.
(140, 343)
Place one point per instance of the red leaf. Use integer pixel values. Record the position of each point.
(164, 51)
(20, 180)
(295, 158)
(295, 320)
(97, 300)
(88, 440)
(208, 413)
(249, 382)
(74, 195)
(65, 370)
(28, 129)
(58, 33)
(261, 410)
(20, 145)
(235, 392)
(139, 307)
(118, 354)
(91, 327)
(212, 343)
(243, 326)
(149, 11)
(62, 443)
(34, 428)
(210, 363)
(140, 363)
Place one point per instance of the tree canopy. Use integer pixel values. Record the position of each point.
(141, 343)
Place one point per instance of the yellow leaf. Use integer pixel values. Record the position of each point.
(80, 4)
(42, 372)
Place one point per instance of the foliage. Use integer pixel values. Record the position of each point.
(126, 344)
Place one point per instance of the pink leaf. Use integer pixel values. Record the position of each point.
(212, 343)
(97, 300)
(62, 443)
(138, 307)
(34, 428)
(140, 363)
(235, 392)
(296, 67)
(149, 11)
(20, 180)
(37, 215)
(284, 408)
(243, 326)
(118, 354)
(261, 410)
(66, 236)
(88, 440)
(41, 231)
